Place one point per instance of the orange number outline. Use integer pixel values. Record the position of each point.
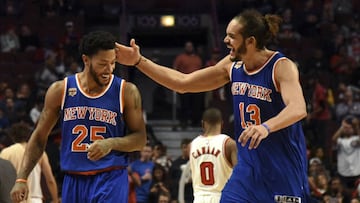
(82, 132)
(254, 112)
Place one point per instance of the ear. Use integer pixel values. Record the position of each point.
(85, 59)
(251, 41)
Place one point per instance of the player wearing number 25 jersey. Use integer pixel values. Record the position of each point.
(93, 107)
(88, 118)
(212, 156)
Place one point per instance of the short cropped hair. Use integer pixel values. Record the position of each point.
(95, 41)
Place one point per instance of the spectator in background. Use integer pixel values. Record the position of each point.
(70, 40)
(4, 121)
(337, 192)
(36, 110)
(73, 68)
(354, 47)
(176, 171)
(342, 64)
(317, 63)
(164, 197)
(347, 140)
(9, 41)
(347, 106)
(69, 7)
(143, 167)
(320, 114)
(160, 156)
(134, 180)
(356, 191)
(50, 73)
(342, 10)
(24, 97)
(309, 17)
(288, 28)
(159, 183)
(13, 7)
(13, 114)
(319, 185)
(50, 8)
(28, 40)
(191, 104)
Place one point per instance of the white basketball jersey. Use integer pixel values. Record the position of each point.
(210, 169)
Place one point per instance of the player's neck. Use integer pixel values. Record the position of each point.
(256, 60)
(89, 85)
(212, 131)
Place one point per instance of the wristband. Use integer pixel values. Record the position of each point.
(138, 62)
(266, 126)
(20, 180)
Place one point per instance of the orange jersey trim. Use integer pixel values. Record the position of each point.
(94, 172)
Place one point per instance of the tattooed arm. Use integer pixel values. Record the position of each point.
(38, 139)
(136, 139)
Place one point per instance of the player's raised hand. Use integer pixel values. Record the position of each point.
(19, 192)
(98, 149)
(127, 55)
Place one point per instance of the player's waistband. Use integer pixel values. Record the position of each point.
(94, 172)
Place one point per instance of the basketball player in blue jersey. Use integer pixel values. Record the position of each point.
(93, 106)
(268, 107)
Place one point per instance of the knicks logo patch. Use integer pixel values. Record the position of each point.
(238, 64)
(72, 92)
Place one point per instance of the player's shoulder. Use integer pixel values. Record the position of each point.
(57, 85)
(225, 62)
(130, 89)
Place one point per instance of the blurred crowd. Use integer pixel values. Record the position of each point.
(321, 36)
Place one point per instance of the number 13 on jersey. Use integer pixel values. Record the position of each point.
(254, 114)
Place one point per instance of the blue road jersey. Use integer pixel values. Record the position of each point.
(86, 119)
(277, 169)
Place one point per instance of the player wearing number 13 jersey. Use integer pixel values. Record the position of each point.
(93, 106)
(268, 107)
(212, 157)
(256, 99)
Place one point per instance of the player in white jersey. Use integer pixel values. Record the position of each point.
(212, 157)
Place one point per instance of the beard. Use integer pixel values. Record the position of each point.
(95, 77)
(241, 50)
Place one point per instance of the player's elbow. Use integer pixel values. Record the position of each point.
(180, 88)
(141, 142)
(183, 84)
(301, 113)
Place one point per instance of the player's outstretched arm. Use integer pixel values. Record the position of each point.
(198, 81)
(38, 139)
(136, 139)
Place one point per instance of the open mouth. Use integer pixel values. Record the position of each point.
(105, 76)
(232, 51)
